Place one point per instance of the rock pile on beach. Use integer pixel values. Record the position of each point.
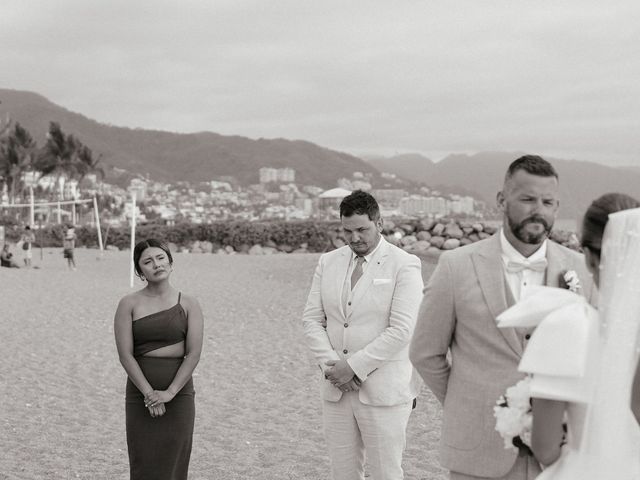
(422, 237)
(269, 248)
(433, 236)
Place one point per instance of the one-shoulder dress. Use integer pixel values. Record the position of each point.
(159, 448)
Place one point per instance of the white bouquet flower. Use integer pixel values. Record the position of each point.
(513, 415)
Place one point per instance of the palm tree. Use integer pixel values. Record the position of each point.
(16, 157)
(86, 163)
(64, 156)
(58, 157)
(4, 128)
(4, 135)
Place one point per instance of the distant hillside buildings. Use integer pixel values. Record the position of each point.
(66, 188)
(139, 187)
(276, 196)
(422, 206)
(284, 175)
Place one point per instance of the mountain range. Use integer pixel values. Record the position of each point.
(171, 157)
(482, 175)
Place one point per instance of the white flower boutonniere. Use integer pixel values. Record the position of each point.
(571, 281)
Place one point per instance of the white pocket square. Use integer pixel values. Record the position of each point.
(381, 281)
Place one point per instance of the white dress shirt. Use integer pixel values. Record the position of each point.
(519, 282)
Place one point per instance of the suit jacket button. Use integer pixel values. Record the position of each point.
(346, 325)
(527, 336)
(349, 303)
(345, 351)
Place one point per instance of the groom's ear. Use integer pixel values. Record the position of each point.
(500, 200)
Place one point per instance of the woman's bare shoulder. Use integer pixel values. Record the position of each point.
(130, 300)
(189, 301)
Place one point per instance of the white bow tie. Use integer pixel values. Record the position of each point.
(536, 265)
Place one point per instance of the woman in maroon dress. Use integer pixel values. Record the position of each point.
(158, 334)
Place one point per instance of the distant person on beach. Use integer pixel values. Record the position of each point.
(358, 321)
(27, 239)
(68, 246)
(158, 332)
(6, 258)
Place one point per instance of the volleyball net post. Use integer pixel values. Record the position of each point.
(32, 209)
(133, 235)
(98, 229)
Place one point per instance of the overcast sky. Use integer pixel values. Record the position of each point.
(362, 76)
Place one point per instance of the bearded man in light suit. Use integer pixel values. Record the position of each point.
(358, 322)
(469, 288)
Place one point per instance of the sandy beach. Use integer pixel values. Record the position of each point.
(257, 402)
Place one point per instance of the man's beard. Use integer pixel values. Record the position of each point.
(518, 230)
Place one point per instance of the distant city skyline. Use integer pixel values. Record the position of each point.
(364, 77)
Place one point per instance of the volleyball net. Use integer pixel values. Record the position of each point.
(73, 212)
(58, 210)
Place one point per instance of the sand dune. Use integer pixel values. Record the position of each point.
(258, 408)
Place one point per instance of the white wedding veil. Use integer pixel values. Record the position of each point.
(611, 438)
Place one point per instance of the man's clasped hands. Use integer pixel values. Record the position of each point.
(342, 376)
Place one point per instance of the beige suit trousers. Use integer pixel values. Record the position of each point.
(354, 430)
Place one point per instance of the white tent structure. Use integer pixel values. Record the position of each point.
(329, 201)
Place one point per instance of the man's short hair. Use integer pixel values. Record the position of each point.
(360, 203)
(533, 164)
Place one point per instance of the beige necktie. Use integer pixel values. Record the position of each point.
(357, 271)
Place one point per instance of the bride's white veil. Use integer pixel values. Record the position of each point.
(611, 435)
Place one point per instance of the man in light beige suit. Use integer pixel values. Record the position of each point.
(469, 288)
(358, 322)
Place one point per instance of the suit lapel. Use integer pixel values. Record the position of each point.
(340, 274)
(556, 265)
(511, 301)
(369, 274)
(488, 266)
